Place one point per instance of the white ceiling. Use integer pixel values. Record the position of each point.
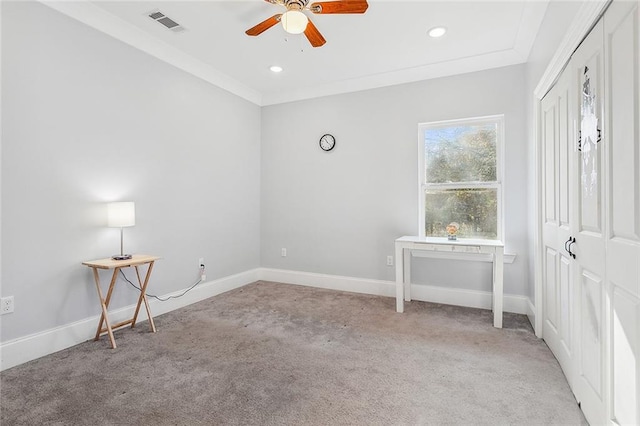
(387, 45)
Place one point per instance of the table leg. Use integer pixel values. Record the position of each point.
(143, 298)
(108, 299)
(406, 267)
(104, 304)
(399, 278)
(493, 283)
(498, 278)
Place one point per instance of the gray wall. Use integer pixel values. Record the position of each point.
(88, 119)
(339, 212)
(557, 19)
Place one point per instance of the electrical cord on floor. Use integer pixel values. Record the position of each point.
(160, 298)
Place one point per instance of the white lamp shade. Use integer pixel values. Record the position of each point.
(121, 214)
(294, 21)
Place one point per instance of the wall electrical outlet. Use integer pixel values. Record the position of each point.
(203, 275)
(389, 260)
(6, 305)
(283, 252)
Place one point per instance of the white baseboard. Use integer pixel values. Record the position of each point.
(23, 349)
(425, 293)
(331, 282)
(469, 298)
(531, 314)
(27, 348)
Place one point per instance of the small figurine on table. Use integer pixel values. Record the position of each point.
(452, 230)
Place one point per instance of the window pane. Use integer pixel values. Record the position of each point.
(475, 210)
(465, 153)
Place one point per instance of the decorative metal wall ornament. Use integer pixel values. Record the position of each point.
(589, 136)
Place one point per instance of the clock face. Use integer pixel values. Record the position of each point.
(327, 142)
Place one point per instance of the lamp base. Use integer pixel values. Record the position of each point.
(121, 257)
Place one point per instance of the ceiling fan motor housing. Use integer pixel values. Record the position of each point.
(295, 4)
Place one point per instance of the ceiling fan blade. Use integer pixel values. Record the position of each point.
(339, 6)
(313, 35)
(264, 25)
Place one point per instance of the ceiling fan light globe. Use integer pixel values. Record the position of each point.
(294, 21)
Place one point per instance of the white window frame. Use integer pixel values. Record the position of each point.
(498, 184)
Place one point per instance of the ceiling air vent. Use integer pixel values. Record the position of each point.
(167, 22)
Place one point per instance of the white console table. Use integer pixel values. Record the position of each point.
(405, 245)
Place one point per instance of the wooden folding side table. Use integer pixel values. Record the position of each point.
(135, 261)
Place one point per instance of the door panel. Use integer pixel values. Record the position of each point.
(557, 268)
(590, 158)
(564, 157)
(551, 291)
(622, 38)
(591, 342)
(550, 148)
(624, 153)
(566, 302)
(587, 67)
(625, 362)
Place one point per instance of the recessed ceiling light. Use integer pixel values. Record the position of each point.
(275, 68)
(437, 32)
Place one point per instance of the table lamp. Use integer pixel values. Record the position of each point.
(121, 215)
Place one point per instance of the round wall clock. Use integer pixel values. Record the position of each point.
(327, 142)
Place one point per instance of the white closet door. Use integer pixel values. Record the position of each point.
(591, 191)
(591, 295)
(557, 138)
(622, 41)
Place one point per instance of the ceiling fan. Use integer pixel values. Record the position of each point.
(295, 21)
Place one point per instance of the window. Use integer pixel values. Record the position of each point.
(460, 166)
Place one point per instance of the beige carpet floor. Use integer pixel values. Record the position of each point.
(278, 354)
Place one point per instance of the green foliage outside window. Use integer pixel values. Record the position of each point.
(459, 160)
